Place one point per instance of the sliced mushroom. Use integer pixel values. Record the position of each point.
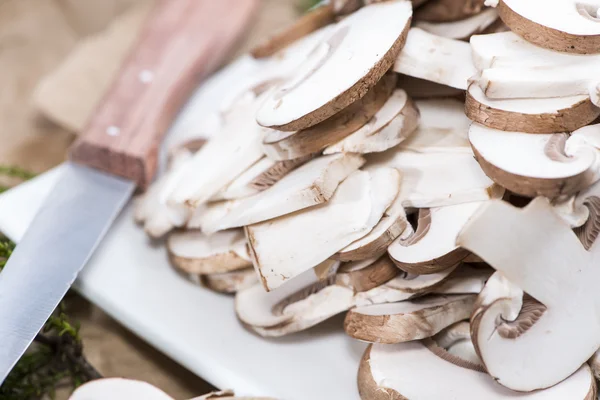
(448, 10)
(312, 184)
(235, 149)
(262, 175)
(532, 165)
(507, 49)
(436, 59)
(393, 123)
(432, 248)
(314, 19)
(366, 274)
(407, 370)
(407, 320)
(568, 26)
(420, 284)
(341, 69)
(539, 254)
(549, 115)
(287, 246)
(463, 29)
(392, 224)
(284, 145)
(594, 364)
(230, 282)
(193, 252)
(118, 389)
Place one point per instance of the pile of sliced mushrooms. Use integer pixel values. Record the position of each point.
(430, 168)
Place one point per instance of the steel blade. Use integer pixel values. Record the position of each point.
(59, 241)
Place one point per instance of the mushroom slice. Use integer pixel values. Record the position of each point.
(448, 10)
(463, 29)
(407, 370)
(299, 304)
(436, 59)
(289, 245)
(230, 282)
(422, 89)
(262, 175)
(507, 49)
(568, 26)
(432, 248)
(151, 209)
(518, 357)
(550, 115)
(118, 389)
(521, 82)
(533, 165)
(390, 226)
(341, 69)
(366, 274)
(283, 145)
(419, 284)
(314, 19)
(393, 123)
(312, 184)
(193, 252)
(407, 320)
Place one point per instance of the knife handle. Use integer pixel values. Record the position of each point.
(181, 43)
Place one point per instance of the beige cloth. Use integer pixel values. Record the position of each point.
(35, 37)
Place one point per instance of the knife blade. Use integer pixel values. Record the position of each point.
(181, 42)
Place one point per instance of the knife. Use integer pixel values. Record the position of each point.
(181, 42)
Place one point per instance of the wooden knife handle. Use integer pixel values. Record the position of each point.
(181, 43)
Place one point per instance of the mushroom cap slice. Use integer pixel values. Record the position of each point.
(230, 282)
(235, 149)
(286, 246)
(284, 145)
(532, 165)
(436, 59)
(448, 10)
(407, 320)
(507, 49)
(314, 19)
(524, 245)
(194, 252)
(366, 274)
(407, 370)
(118, 389)
(464, 279)
(432, 248)
(522, 82)
(312, 184)
(566, 26)
(462, 29)
(321, 88)
(392, 224)
(393, 123)
(546, 115)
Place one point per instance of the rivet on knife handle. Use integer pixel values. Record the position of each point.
(181, 43)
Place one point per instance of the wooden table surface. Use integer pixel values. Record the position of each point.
(35, 35)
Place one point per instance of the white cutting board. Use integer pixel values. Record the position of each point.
(130, 278)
